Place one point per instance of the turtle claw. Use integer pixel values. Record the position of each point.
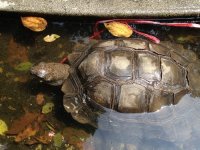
(84, 118)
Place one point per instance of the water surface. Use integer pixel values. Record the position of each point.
(173, 127)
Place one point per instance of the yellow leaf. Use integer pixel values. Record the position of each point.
(3, 127)
(36, 24)
(51, 38)
(119, 29)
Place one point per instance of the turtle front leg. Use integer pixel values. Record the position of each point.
(79, 110)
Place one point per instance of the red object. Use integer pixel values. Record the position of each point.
(63, 60)
(97, 33)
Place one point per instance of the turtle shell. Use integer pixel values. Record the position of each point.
(135, 75)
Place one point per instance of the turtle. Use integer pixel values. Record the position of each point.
(126, 75)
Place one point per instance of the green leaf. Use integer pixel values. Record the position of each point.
(47, 108)
(24, 66)
(57, 139)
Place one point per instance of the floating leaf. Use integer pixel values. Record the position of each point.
(3, 127)
(20, 124)
(36, 24)
(26, 126)
(119, 29)
(24, 66)
(47, 108)
(58, 139)
(40, 98)
(51, 38)
(30, 130)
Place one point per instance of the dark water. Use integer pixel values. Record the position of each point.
(173, 127)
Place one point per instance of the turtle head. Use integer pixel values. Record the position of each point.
(52, 73)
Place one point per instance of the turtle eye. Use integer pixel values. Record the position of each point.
(39, 70)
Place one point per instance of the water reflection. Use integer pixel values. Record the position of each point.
(173, 127)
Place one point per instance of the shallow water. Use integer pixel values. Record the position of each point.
(176, 128)
(172, 127)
